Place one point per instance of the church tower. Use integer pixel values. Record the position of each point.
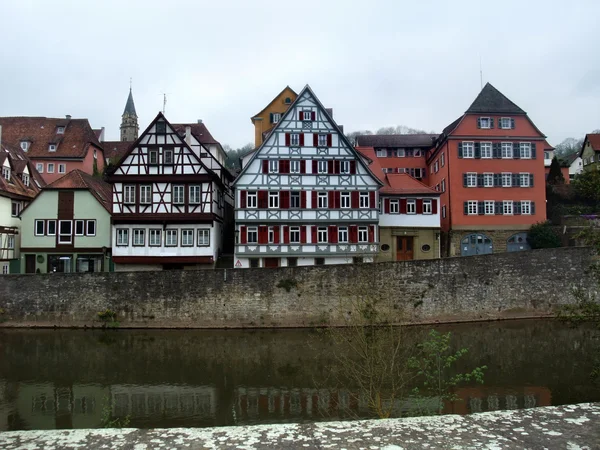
(129, 122)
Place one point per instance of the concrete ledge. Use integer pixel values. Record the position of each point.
(563, 427)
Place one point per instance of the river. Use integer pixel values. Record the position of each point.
(199, 378)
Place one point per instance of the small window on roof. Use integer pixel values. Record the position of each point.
(288, 100)
(52, 147)
(161, 127)
(60, 130)
(24, 145)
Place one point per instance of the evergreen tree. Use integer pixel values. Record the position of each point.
(555, 176)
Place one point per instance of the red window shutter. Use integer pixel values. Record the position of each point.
(313, 116)
(303, 199)
(354, 198)
(332, 234)
(243, 199)
(315, 140)
(263, 235)
(330, 166)
(372, 233)
(336, 167)
(336, 203)
(329, 140)
(353, 234)
(284, 166)
(262, 199)
(402, 206)
(352, 167)
(387, 205)
(372, 204)
(276, 234)
(314, 168)
(286, 235)
(434, 203)
(314, 200)
(419, 206)
(301, 139)
(303, 166)
(243, 237)
(331, 200)
(285, 199)
(287, 139)
(314, 234)
(265, 166)
(303, 234)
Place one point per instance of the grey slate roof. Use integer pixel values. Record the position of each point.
(129, 106)
(490, 100)
(396, 140)
(450, 128)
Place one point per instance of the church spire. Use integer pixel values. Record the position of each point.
(130, 106)
(129, 122)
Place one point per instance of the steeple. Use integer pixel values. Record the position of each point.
(129, 122)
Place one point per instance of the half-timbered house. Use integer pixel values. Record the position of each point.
(305, 197)
(168, 206)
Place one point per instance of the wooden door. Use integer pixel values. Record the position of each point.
(404, 248)
(271, 262)
(29, 263)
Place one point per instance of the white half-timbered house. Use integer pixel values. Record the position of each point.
(305, 197)
(168, 206)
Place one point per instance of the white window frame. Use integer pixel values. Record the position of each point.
(15, 208)
(468, 149)
(427, 206)
(443, 185)
(503, 121)
(79, 225)
(295, 235)
(87, 227)
(35, 227)
(525, 150)
(322, 140)
(50, 168)
(322, 200)
(203, 237)
(363, 234)
(443, 211)
(472, 207)
(195, 194)
(252, 199)
(153, 157)
(271, 235)
(489, 123)
(488, 179)
(381, 153)
(471, 179)
(276, 117)
(51, 147)
(178, 194)
(295, 199)
(489, 207)
(395, 206)
(294, 139)
(417, 153)
(295, 166)
(53, 222)
(526, 206)
(24, 145)
(129, 194)
(168, 157)
(507, 150)
(39, 167)
(273, 200)
(436, 166)
(171, 236)
(363, 200)
(138, 237)
(66, 236)
(273, 166)
(345, 200)
(145, 194)
(524, 179)
(252, 231)
(25, 179)
(506, 178)
(62, 168)
(155, 237)
(411, 206)
(342, 235)
(322, 235)
(186, 234)
(485, 150)
(11, 242)
(401, 153)
(442, 159)
(344, 167)
(122, 237)
(306, 115)
(507, 207)
(322, 166)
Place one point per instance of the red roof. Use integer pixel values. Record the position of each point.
(594, 140)
(114, 150)
(40, 132)
(77, 179)
(199, 131)
(18, 162)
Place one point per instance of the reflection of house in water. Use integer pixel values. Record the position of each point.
(479, 399)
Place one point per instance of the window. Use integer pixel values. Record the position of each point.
(471, 179)
(526, 207)
(129, 194)
(400, 153)
(322, 235)
(436, 167)
(15, 208)
(155, 237)
(488, 179)
(79, 227)
(122, 236)
(25, 179)
(417, 153)
(427, 207)
(270, 235)
(187, 238)
(322, 140)
(171, 238)
(507, 150)
(343, 235)
(11, 242)
(319, 261)
(505, 123)
(442, 159)
(486, 149)
(295, 199)
(468, 149)
(363, 234)
(443, 185)
(394, 207)
(168, 157)
(411, 206)
(345, 200)
(153, 157)
(489, 207)
(24, 145)
(161, 127)
(294, 166)
(273, 199)
(90, 228)
(292, 262)
(60, 130)
(146, 194)
(39, 227)
(472, 207)
(178, 195)
(52, 147)
(276, 117)
(525, 148)
(363, 200)
(344, 167)
(485, 122)
(254, 263)
(443, 211)
(139, 237)
(322, 166)
(507, 207)
(195, 194)
(40, 167)
(524, 179)
(51, 228)
(322, 200)
(203, 237)
(547, 155)
(273, 166)
(294, 139)
(306, 115)
(50, 168)
(251, 199)
(381, 153)
(65, 231)
(294, 235)
(61, 168)
(506, 179)
(252, 235)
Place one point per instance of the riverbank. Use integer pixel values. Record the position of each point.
(518, 285)
(570, 426)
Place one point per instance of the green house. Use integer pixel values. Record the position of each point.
(67, 227)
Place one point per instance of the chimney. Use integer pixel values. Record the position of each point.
(68, 116)
(329, 111)
(188, 135)
(199, 120)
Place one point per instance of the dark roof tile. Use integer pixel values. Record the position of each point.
(491, 101)
(396, 140)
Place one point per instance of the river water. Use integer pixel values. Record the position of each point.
(200, 378)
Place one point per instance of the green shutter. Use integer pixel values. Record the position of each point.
(532, 208)
(491, 122)
(481, 208)
(517, 208)
(516, 181)
(466, 207)
(530, 180)
(533, 150)
(477, 150)
(496, 150)
(512, 124)
(460, 150)
(271, 117)
(464, 180)
(516, 150)
(478, 122)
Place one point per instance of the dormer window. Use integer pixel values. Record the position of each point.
(161, 127)
(306, 115)
(25, 179)
(288, 100)
(24, 146)
(6, 173)
(484, 122)
(60, 130)
(52, 147)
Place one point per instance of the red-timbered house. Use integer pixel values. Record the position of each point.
(168, 206)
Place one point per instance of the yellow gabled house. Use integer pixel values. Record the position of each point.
(271, 114)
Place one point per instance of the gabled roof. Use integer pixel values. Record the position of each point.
(396, 140)
(594, 140)
(77, 179)
(570, 158)
(130, 106)
(275, 98)
(18, 162)
(450, 128)
(491, 101)
(114, 150)
(199, 131)
(74, 142)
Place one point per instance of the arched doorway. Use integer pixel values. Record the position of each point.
(476, 244)
(517, 243)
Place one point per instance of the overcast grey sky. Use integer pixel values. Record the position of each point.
(376, 63)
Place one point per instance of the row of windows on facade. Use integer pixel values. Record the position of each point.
(306, 115)
(399, 152)
(6, 174)
(293, 261)
(504, 179)
(155, 237)
(298, 200)
(332, 234)
(299, 139)
(177, 194)
(498, 150)
(298, 166)
(80, 227)
(504, 123)
(592, 159)
(409, 206)
(504, 207)
(62, 168)
(417, 173)
(7, 243)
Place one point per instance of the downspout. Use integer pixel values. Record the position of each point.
(449, 209)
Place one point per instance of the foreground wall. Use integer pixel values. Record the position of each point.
(508, 285)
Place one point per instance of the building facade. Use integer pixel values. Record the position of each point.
(67, 227)
(55, 146)
(168, 206)
(271, 114)
(305, 196)
(590, 152)
(490, 171)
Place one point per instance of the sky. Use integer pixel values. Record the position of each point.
(376, 63)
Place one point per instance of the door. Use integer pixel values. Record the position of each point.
(476, 244)
(271, 262)
(29, 263)
(404, 248)
(517, 243)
